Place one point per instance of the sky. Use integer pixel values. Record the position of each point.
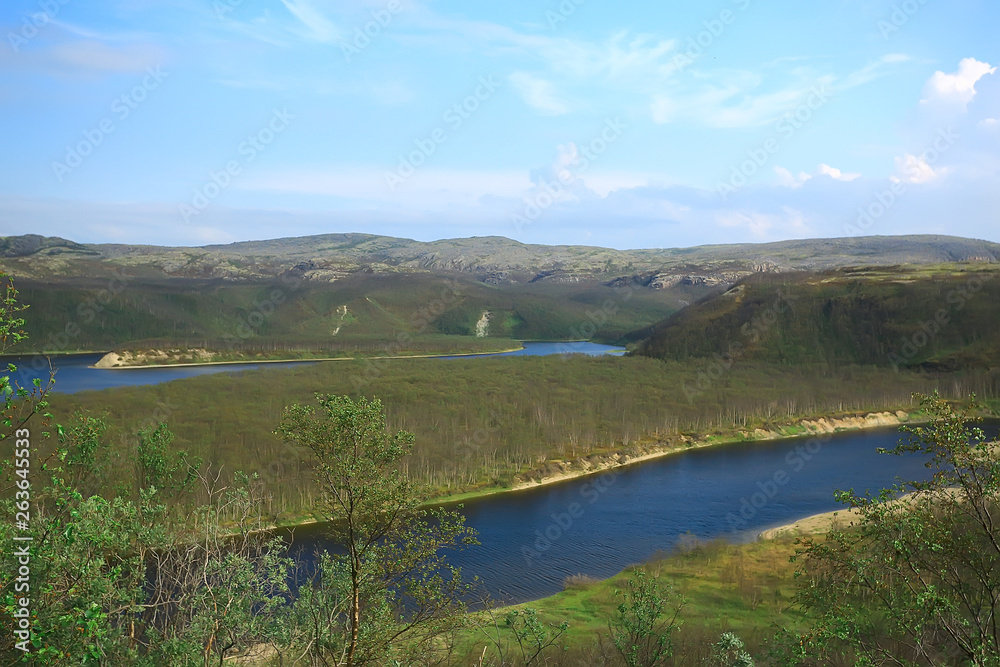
(621, 124)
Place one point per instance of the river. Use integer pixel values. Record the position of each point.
(75, 372)
(532, 540)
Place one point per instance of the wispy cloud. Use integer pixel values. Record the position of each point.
(538, 93)
(320, 28)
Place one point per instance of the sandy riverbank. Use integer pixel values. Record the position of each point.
(129, 361)
(555, 472)
(814, 525)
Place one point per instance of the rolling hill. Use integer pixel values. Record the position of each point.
(359, 293)
(932, 318)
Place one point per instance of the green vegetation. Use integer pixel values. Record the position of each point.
(916, 581)
(399, 589)
(145, 552)
(351, 294)
(933, 318)
(485, 423)
(495, 259)
(361, 314)
(744, 589)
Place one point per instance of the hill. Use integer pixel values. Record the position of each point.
(359, 293)
(329, 257)
(940, 318)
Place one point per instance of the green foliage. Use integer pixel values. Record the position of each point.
(479, 423)
(20, 404)
(11, 332)
(361, 314)
(728, 652)
(917, 580)
(116, 580)
(897, 318)
(643, 622)
(157, 467)
(398, 582)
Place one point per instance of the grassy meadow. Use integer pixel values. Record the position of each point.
(747, 589)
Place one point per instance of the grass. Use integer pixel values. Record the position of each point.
(747, 588)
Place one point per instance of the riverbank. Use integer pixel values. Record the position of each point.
(128, 361)
(558, 471)
(817, 524)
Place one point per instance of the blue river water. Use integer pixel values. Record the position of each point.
(75, 372)
(533, 540)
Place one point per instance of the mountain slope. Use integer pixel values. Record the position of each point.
(932, 318)
(492, 259)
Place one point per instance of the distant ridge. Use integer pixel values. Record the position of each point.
(491, 258)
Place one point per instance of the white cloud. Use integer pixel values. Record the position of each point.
(787, 179)
(727, 98)
(958, 88)
(87, 57)
(427, 187)
(915, 169)
(837, 174)
(538, 93)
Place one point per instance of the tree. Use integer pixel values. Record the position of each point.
(642, 623)
(20, 403)
(400, 591)
(916, 580)
(521, 638)
(728, 652)
(118, 580)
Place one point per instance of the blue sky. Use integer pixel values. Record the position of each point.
(624, 124)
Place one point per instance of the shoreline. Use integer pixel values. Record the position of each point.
(814, 524)
(294, 361)
(612, 461)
